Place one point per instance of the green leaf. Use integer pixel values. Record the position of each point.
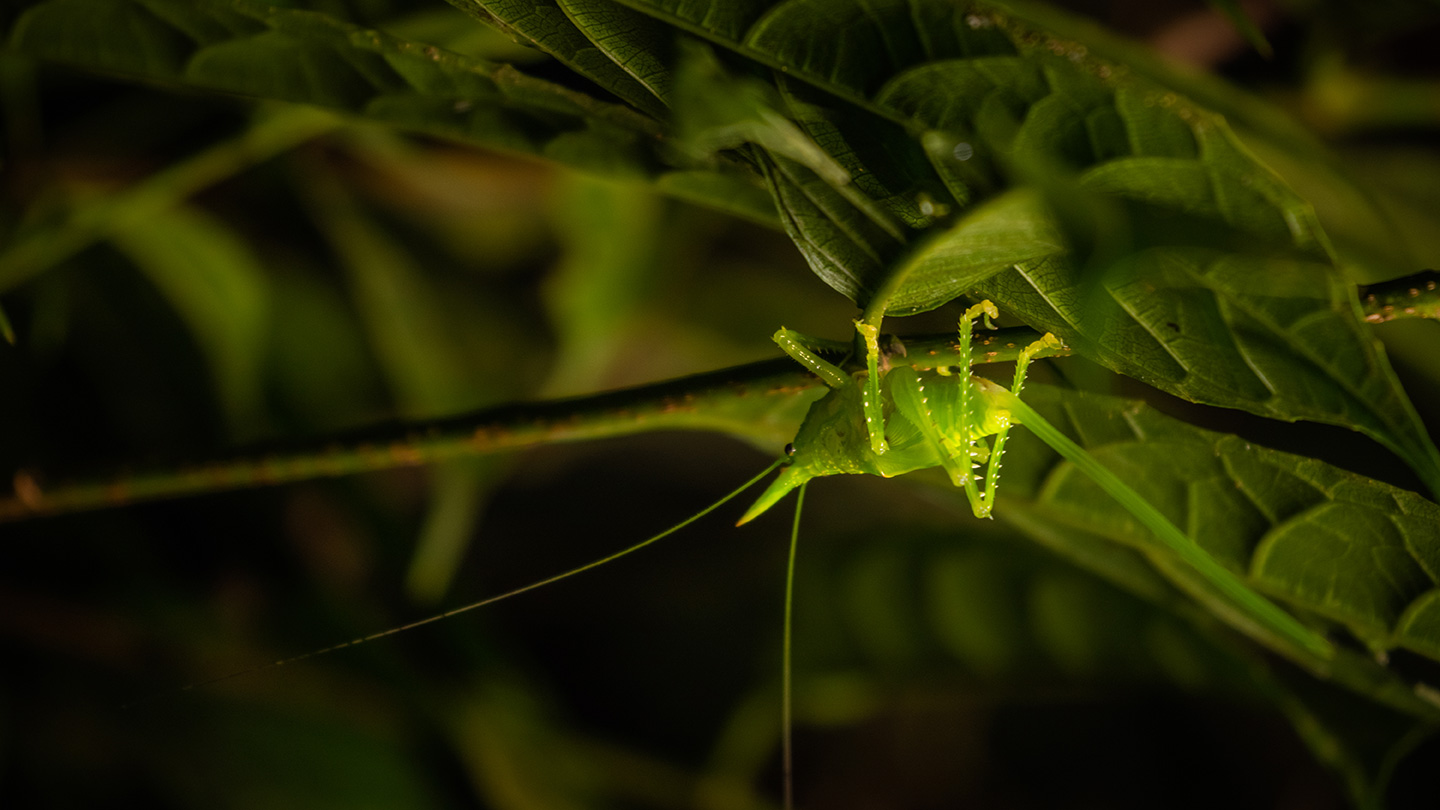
(1332, 544)
(1275, 336)
(249, 49)
(994, 101)
(612, 236)
(1246, 26)
(638, 45)
(1000, 609)
(843, 246)
(1011, 228)
(35, 250)
(7, 331)
(715, 112)
(221, 290)
(548, 25)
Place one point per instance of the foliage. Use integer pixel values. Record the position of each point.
(228, 222)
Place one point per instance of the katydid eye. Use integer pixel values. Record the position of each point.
(790, 450)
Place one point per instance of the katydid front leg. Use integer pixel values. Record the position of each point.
(797, 346)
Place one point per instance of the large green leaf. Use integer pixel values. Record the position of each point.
(1331, 544)
(250, 49)
(547, 25)
(987, 607)
(995, 102)
(33, 250)
(1263, 333)
(417, 349)
(986, 100)
(997, 607)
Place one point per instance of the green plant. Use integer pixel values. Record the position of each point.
(915, 153)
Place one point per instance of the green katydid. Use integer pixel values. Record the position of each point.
(893, 421)
(879, 420)
(888, 421)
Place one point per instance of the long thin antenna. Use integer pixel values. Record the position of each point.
(473, 605)
(787, 747)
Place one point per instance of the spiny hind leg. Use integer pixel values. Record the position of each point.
(959, 454)
(966, 450)
(976, 449)
(997, 449)
(967, 356)
(907, 390)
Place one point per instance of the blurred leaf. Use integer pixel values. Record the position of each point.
(1001, 611)
(514, 755)
(459, 491)
(270, 758)
(410, 331)
(738, 195)
(1246, 26)
(274, 131)
(611, 234)
(1364, 743)
(255, 50)
(403, 315)
(7, 331)
(325, 376)
(221, 290)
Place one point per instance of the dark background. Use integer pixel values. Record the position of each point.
(650, 682)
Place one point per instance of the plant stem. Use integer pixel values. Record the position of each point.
(761, 402)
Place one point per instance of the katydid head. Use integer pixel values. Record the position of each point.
(791, 477)
(832, 440)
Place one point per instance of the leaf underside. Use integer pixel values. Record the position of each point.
(1333, 545)
(955, 149)
(1082, 198)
